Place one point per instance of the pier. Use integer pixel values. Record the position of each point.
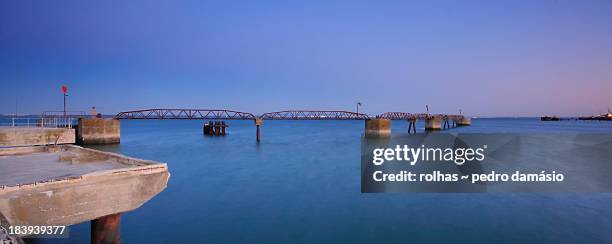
(432, 121)
(67, 184)
(47, 181)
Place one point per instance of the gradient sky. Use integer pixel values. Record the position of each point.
(490, 58)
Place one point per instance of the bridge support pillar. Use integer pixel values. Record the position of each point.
(258, 122)
(412, 126)
(377, 127)
(98, 131)
(106, 229)
(433, 123)
(447, 124)
(215, 128)
(465, 121)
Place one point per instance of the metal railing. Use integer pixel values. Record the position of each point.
(56, 122)
(55, 114)
(48, 119)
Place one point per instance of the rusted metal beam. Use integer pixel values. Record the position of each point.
(106, 229)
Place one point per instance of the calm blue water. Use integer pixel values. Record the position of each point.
(302, 184)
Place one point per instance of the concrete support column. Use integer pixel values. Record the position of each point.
(377, 127)
(433, 123)
(98, 131)
(258, 122)
(465, 121)
(106, 229)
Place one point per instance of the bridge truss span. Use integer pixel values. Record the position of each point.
(432, 121)
(402, 116)
(313, 115)
(421, 116)
(203, 114)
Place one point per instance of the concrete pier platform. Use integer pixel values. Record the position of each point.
(32, 136)
(68, 184)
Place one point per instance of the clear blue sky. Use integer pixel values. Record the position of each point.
(490, 58)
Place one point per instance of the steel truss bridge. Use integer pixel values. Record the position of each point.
(219, 114)
(204, 114)
(409, 116)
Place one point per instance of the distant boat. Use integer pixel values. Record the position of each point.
(549, 118)
(599, 117)
(607, 116)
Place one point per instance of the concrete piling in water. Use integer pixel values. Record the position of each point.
(106, 229)
(433, 123)
(216, 128)
(258, 122)
(465, 121)
(92, 131)
(377, 127)
(208, 128)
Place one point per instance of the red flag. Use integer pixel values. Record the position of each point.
(64, 89)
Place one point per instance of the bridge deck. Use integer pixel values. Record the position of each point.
(218, 114)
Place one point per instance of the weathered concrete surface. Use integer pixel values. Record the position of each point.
(98, 131)
(433, 123)
(32, 136)
(5, 238)
(465, 121)
(378, 127)
(94, 184)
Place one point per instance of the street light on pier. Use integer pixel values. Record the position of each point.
(358, 105)
(65, 92)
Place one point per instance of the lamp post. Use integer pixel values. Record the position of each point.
(358, 105)
(65, 92)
